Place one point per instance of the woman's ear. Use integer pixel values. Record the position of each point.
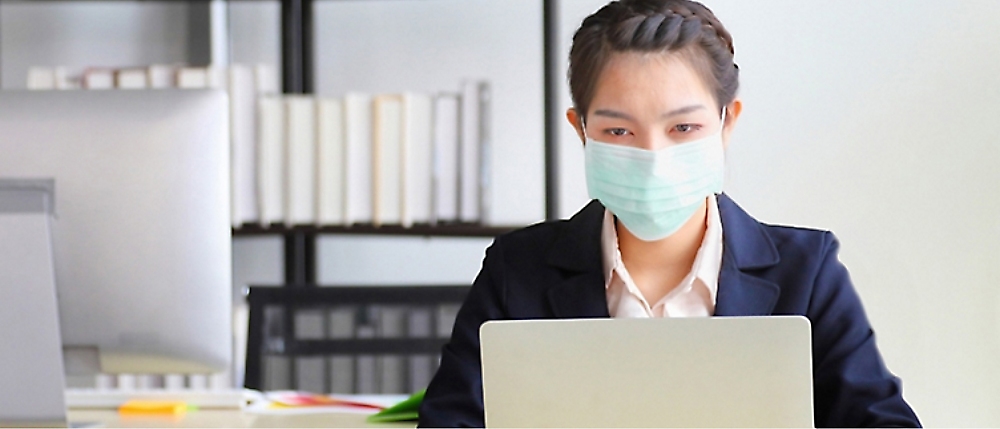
(733, 111)
(576, 121)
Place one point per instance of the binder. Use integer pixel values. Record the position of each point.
(485, 152)
(310, 374)
(300, 135)
(469, 171)
(243, 134)
(366, 365)
(192, 78)
(358, 156)
(41, 78)
(342, 374)
(417, 159)
(97, 78)
(386, 160)
(330, 161)
(391, 324)
(160, 76)
(131, 79)
(445, 152)
(266, 79)
(271, 159)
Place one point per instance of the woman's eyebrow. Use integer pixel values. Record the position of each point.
(612, 114)
(621, 115)
(683, 110)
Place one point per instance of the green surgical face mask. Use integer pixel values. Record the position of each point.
(654, 192)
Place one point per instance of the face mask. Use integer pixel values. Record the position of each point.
(654, 192)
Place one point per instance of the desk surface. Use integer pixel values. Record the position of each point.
(215, 418)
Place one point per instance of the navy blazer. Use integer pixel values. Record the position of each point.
(554, 270)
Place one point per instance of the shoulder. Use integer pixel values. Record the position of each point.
(755, 244)
(795, 239)
(555, 241)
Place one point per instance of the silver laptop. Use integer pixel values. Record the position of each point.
(685, 372)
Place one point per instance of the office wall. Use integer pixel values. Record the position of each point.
(876, 120)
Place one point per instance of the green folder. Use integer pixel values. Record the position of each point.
(401, 412)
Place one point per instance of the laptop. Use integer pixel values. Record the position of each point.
(675, 372)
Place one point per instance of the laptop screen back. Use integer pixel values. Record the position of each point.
(690, 372)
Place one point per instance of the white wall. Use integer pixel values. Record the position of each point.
(876, 120)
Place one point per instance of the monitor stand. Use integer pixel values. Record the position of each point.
(31, 366)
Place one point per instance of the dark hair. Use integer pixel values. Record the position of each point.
(684, 27)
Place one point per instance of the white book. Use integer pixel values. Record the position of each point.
(310, 374)
(366, 374)
(266, 79)
(41, 78)
(277, 372)
(131, 79)
(392, 374)
(330, 161)
(300, 132)
(468, 176)
(63, 80)
(485, 152)
(160, 76)
(417, 159)
(366, 365)
(341, 320)
(271, 159)
(192, 77)
(309, 324)
(243, 133)
(358, 156)
(445, 152)
(342, 374)
(386, 157)
(98, 79)
(216, 77)
(421, 371)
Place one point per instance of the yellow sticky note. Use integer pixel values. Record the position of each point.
(138, 406)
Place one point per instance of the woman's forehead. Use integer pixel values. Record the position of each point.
(638, 80)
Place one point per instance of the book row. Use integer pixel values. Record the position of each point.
(155, 76)
(379, 159)
(387, 159)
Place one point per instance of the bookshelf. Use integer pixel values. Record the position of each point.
(298, 66)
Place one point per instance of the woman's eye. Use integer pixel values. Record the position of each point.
(618, 132)
(684, 128)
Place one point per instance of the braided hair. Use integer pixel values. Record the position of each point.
(682, 27)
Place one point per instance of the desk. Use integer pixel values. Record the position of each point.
(217, 418)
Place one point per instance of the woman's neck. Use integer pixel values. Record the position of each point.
(675, 253)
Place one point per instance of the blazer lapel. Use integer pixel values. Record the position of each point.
(746, 249)
(576, 252)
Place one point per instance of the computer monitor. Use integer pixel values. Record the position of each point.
(141, 233)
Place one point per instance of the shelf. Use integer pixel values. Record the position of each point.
(442, 230)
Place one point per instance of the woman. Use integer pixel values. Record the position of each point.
(654, 88)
